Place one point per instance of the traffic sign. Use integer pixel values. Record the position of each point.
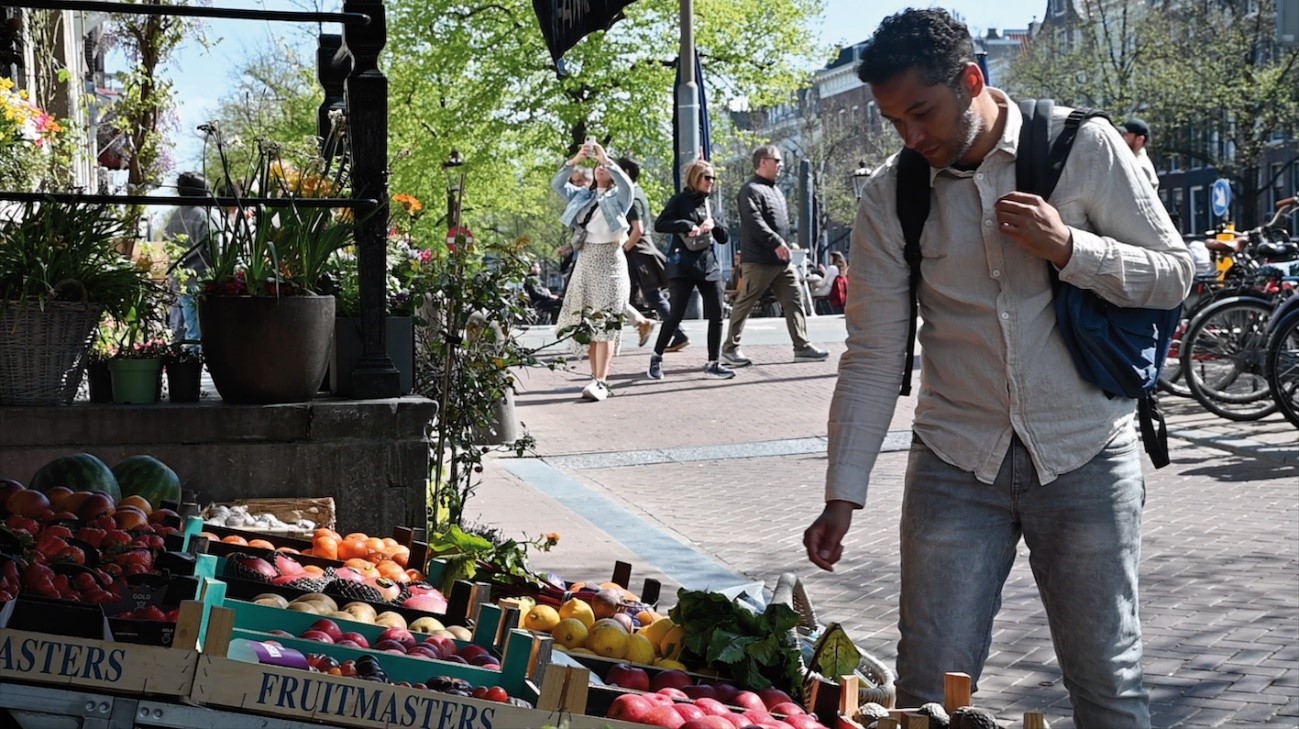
(1220, 197)
(460, 231)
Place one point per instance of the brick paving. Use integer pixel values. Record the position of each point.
(1220, 560)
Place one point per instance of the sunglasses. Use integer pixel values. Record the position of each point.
(710, 178)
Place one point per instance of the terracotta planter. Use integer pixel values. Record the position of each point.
(264, 350)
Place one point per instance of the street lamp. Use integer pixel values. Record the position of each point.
(859, 177)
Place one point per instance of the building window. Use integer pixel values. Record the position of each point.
(1278, 183)
(873, 116)
(1175, 209)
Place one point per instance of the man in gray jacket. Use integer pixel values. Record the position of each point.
(764, 224)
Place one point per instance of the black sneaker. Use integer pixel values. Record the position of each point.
(718, 371)
(678, 344)
(656, 367)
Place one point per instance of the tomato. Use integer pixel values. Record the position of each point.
(498, 694)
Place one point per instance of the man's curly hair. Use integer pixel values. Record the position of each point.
(930, 40)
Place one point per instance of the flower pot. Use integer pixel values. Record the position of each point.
(101, 381)
(184, 381)
(399, 341)
(136, 381)
(43, 352)
(263, 349)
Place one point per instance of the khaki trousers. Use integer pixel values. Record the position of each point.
(783, 281)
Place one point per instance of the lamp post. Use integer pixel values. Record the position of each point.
(859, 178)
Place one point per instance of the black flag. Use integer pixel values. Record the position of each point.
(565, 22)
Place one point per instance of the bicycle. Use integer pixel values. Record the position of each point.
(1223, 351)
(1282, 360)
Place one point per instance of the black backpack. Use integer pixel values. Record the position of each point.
(1038, 166)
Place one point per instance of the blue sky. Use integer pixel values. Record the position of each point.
(201, 74)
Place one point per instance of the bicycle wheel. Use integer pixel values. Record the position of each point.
(1283, 366)
(1170, 376)
(1223, 359)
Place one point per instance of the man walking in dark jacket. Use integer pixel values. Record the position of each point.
(764, 225)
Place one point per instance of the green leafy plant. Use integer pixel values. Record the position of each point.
(261, 250)
(66, 252)
(467, 551)
(757, 650)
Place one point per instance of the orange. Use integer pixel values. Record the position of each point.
(324, 545)
(401, 555)
(260, 544)
(138, 502)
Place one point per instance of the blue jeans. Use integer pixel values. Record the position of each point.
(189, 313)
(1083, 532)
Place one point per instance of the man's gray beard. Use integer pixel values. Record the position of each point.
(968, 128)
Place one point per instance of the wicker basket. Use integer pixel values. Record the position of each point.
(876, 678)
(288, 509)
(43, 353)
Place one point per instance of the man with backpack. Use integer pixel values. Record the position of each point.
(1010, 440)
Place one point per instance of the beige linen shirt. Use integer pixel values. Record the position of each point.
(992, 363)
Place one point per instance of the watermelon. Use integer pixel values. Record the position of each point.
(148, 478)
(80, 472)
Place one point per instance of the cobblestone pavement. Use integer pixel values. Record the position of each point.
(710, 483)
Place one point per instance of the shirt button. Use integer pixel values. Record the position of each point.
(987, 223)
(1005, 315)
(978, 176)
(996, 273)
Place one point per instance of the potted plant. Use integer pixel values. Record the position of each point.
(60, 271)
(266, 326)
(136, 370)
(184, 366)
(406, 290)
(28, 137)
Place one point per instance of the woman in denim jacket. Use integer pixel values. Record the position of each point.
(600, 283)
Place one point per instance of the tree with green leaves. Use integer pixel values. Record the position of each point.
(1207, 74)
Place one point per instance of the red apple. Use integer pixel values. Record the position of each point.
(628, 677)
(712, 707)
(471, 651)
(749, 700)
(658, 699)
(709, 721)
(803, 721)
(317, 636)
(670, 678)
(445, 646)
(737, 720)
(401, 635)
(429, 603)
(675, 694)
(360, 640)
(388, 644)
(27, 503)
(325, 625)
(785, 707)
(630, 707)
(689, 711)
(725, 692)
(771, 696)
(700, 691)
(349, 643)
(663, 716)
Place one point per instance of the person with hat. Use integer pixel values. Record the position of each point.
(1136, 132)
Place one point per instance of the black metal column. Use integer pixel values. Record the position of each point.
(367, 110)
(333, 64)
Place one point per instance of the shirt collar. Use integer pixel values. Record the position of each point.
(1009, 141)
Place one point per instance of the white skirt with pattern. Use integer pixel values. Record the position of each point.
(599, 283)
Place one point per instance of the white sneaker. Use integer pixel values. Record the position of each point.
(595, 391)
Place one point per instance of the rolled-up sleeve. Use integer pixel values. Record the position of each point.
(1141, 261)
(870, 371)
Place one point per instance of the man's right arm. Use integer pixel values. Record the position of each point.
(870, 371)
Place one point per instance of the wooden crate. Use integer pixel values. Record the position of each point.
(350, 702)
(84, 663)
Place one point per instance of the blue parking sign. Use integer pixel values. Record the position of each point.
(1220, 197)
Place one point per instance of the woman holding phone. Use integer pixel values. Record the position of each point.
(600, 284)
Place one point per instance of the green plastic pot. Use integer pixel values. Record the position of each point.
(136, 381)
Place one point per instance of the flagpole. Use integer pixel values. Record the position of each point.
(689, 137)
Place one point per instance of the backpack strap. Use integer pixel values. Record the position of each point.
(913, 208)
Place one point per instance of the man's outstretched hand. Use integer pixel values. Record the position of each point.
(824, 539)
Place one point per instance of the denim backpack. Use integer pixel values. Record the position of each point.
(1118, 349)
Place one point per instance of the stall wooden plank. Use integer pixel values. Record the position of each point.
(82, 662)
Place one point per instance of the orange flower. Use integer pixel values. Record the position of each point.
(411, 203)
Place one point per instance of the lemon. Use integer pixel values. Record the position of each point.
(570, 633)
(640, 649)
(672, 643)
(609, 640)
(657, 629)
(669, 663)
(542, 618)
(578, 609)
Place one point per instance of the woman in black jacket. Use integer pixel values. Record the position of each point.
(688, 217)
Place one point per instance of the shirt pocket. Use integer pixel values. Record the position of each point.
(1073, 213)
